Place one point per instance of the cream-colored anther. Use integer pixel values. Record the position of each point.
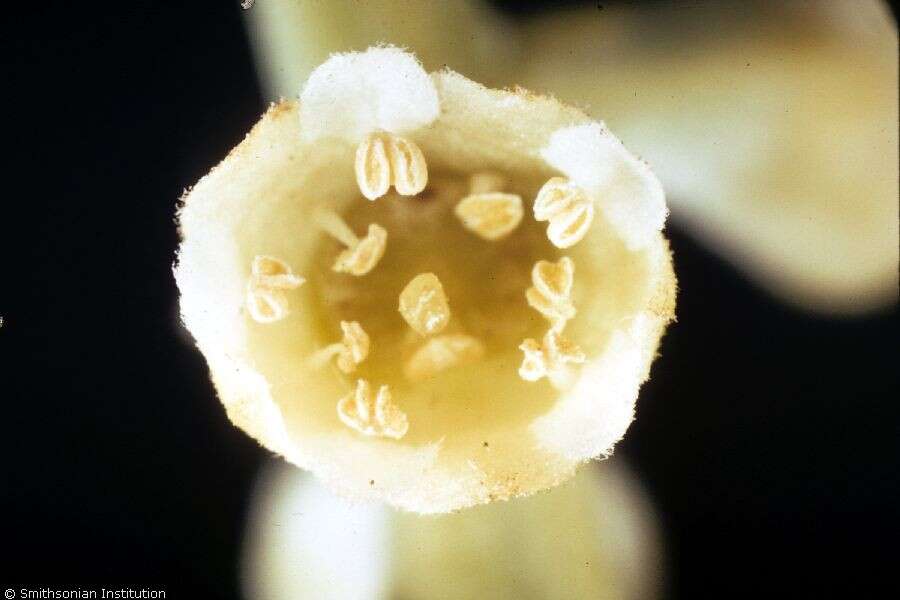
(374, 416)
(567, 207)
(490, 215)
(361, 255)
(269, 278)
(441, 353)
(552, 290)
(409, 172)
(486, 181)
(424, 305)
(384, 159)
(373, 167)
(350, 351)
(548, 358)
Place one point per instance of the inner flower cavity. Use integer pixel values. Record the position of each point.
(445, 299)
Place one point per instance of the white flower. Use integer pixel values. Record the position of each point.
(441, 381)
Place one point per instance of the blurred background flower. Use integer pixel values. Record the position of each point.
(593, 537)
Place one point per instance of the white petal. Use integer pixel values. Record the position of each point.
(353, 94)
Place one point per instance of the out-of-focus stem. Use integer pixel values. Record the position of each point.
(595, 537)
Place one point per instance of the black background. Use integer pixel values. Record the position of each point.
(767, 437)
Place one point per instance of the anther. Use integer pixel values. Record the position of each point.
(265, 297)
(552, 290)
(548, 358)
(361, 255)
(350, 351)
(374, 416)
(567, 207)
(424, 305)
(490, 215)
(384, 159)
(441, 353)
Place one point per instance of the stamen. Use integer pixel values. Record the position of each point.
(549, 358)
(491, 215)
(551, 294)
(424, 305)
(441, 353)
(373, 168)
(567, 207)
(350, 351)
(409, 173)
(378, 417)
(384, 159)
(361, 256)
(265, 297)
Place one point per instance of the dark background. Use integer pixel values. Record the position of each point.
(767, 437)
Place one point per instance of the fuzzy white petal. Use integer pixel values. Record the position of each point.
(353, 94)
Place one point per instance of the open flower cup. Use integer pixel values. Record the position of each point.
(453, 385)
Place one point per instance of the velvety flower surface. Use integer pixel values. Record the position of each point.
(452, 384)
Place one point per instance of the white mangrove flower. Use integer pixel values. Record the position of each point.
(446, 364)
(594, 537)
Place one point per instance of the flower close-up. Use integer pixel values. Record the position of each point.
(493, 258)
(457, 300)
